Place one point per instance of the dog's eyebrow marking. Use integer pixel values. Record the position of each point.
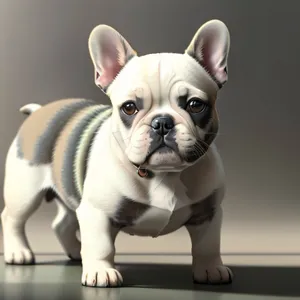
(139, 103)
(182, 96)
(182, 101)
(128, 212)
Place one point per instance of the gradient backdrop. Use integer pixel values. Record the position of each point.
(44, 57)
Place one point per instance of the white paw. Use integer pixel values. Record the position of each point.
(21, 256)
(218, 274)
(105, 277)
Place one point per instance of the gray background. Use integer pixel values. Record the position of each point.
(44, 57)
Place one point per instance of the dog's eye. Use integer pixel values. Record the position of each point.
(129, 108)
(195, 106)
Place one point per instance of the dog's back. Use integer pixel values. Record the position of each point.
(39, 132)
(59, 134)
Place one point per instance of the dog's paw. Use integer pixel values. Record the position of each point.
(218, 274)
(22, 256)
(105, 277)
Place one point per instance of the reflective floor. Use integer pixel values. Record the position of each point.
(152, 277)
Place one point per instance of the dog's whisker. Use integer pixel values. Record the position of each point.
(202, 143)
(200, 149)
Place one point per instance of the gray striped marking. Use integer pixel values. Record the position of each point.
(71, 152)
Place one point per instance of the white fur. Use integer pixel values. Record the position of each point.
(160, 78)
(165, 192)
(30, 108)
(20, 202)
(23, 201)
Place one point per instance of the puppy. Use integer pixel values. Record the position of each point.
(146, 165)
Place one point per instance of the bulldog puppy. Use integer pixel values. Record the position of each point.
(145, 165)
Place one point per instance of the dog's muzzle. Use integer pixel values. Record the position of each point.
(162, 133)
(162, 125)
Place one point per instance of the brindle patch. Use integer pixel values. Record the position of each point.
(128, 212)
(204, 210)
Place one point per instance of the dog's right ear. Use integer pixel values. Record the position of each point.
(210, 48)
(109, 52)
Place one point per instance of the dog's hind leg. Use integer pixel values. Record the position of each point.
(65, 226)
(23, 194)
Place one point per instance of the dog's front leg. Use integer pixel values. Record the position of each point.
(207, 262)
(97, 247)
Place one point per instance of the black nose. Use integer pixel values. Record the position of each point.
(162, 124)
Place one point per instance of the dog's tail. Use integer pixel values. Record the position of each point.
(28, 109)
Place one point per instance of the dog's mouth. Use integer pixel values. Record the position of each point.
(163, 155)
(162, 151)
(162, 148)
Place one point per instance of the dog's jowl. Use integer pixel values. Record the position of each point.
(146, 165)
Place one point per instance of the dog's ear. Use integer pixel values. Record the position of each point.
(109, 52)
(210, 47)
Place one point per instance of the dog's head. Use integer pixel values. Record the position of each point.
(163, 104)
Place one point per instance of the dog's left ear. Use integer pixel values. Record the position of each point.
(109, 52)
(210, 47)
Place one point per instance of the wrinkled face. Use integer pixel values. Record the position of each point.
(164, 114)
(164, 109)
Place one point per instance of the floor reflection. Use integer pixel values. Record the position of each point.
(61, 278)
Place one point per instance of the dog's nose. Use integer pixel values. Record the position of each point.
(162, 124)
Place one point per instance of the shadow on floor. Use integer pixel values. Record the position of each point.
(250, 280)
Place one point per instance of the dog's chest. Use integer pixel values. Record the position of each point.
(165, 209)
